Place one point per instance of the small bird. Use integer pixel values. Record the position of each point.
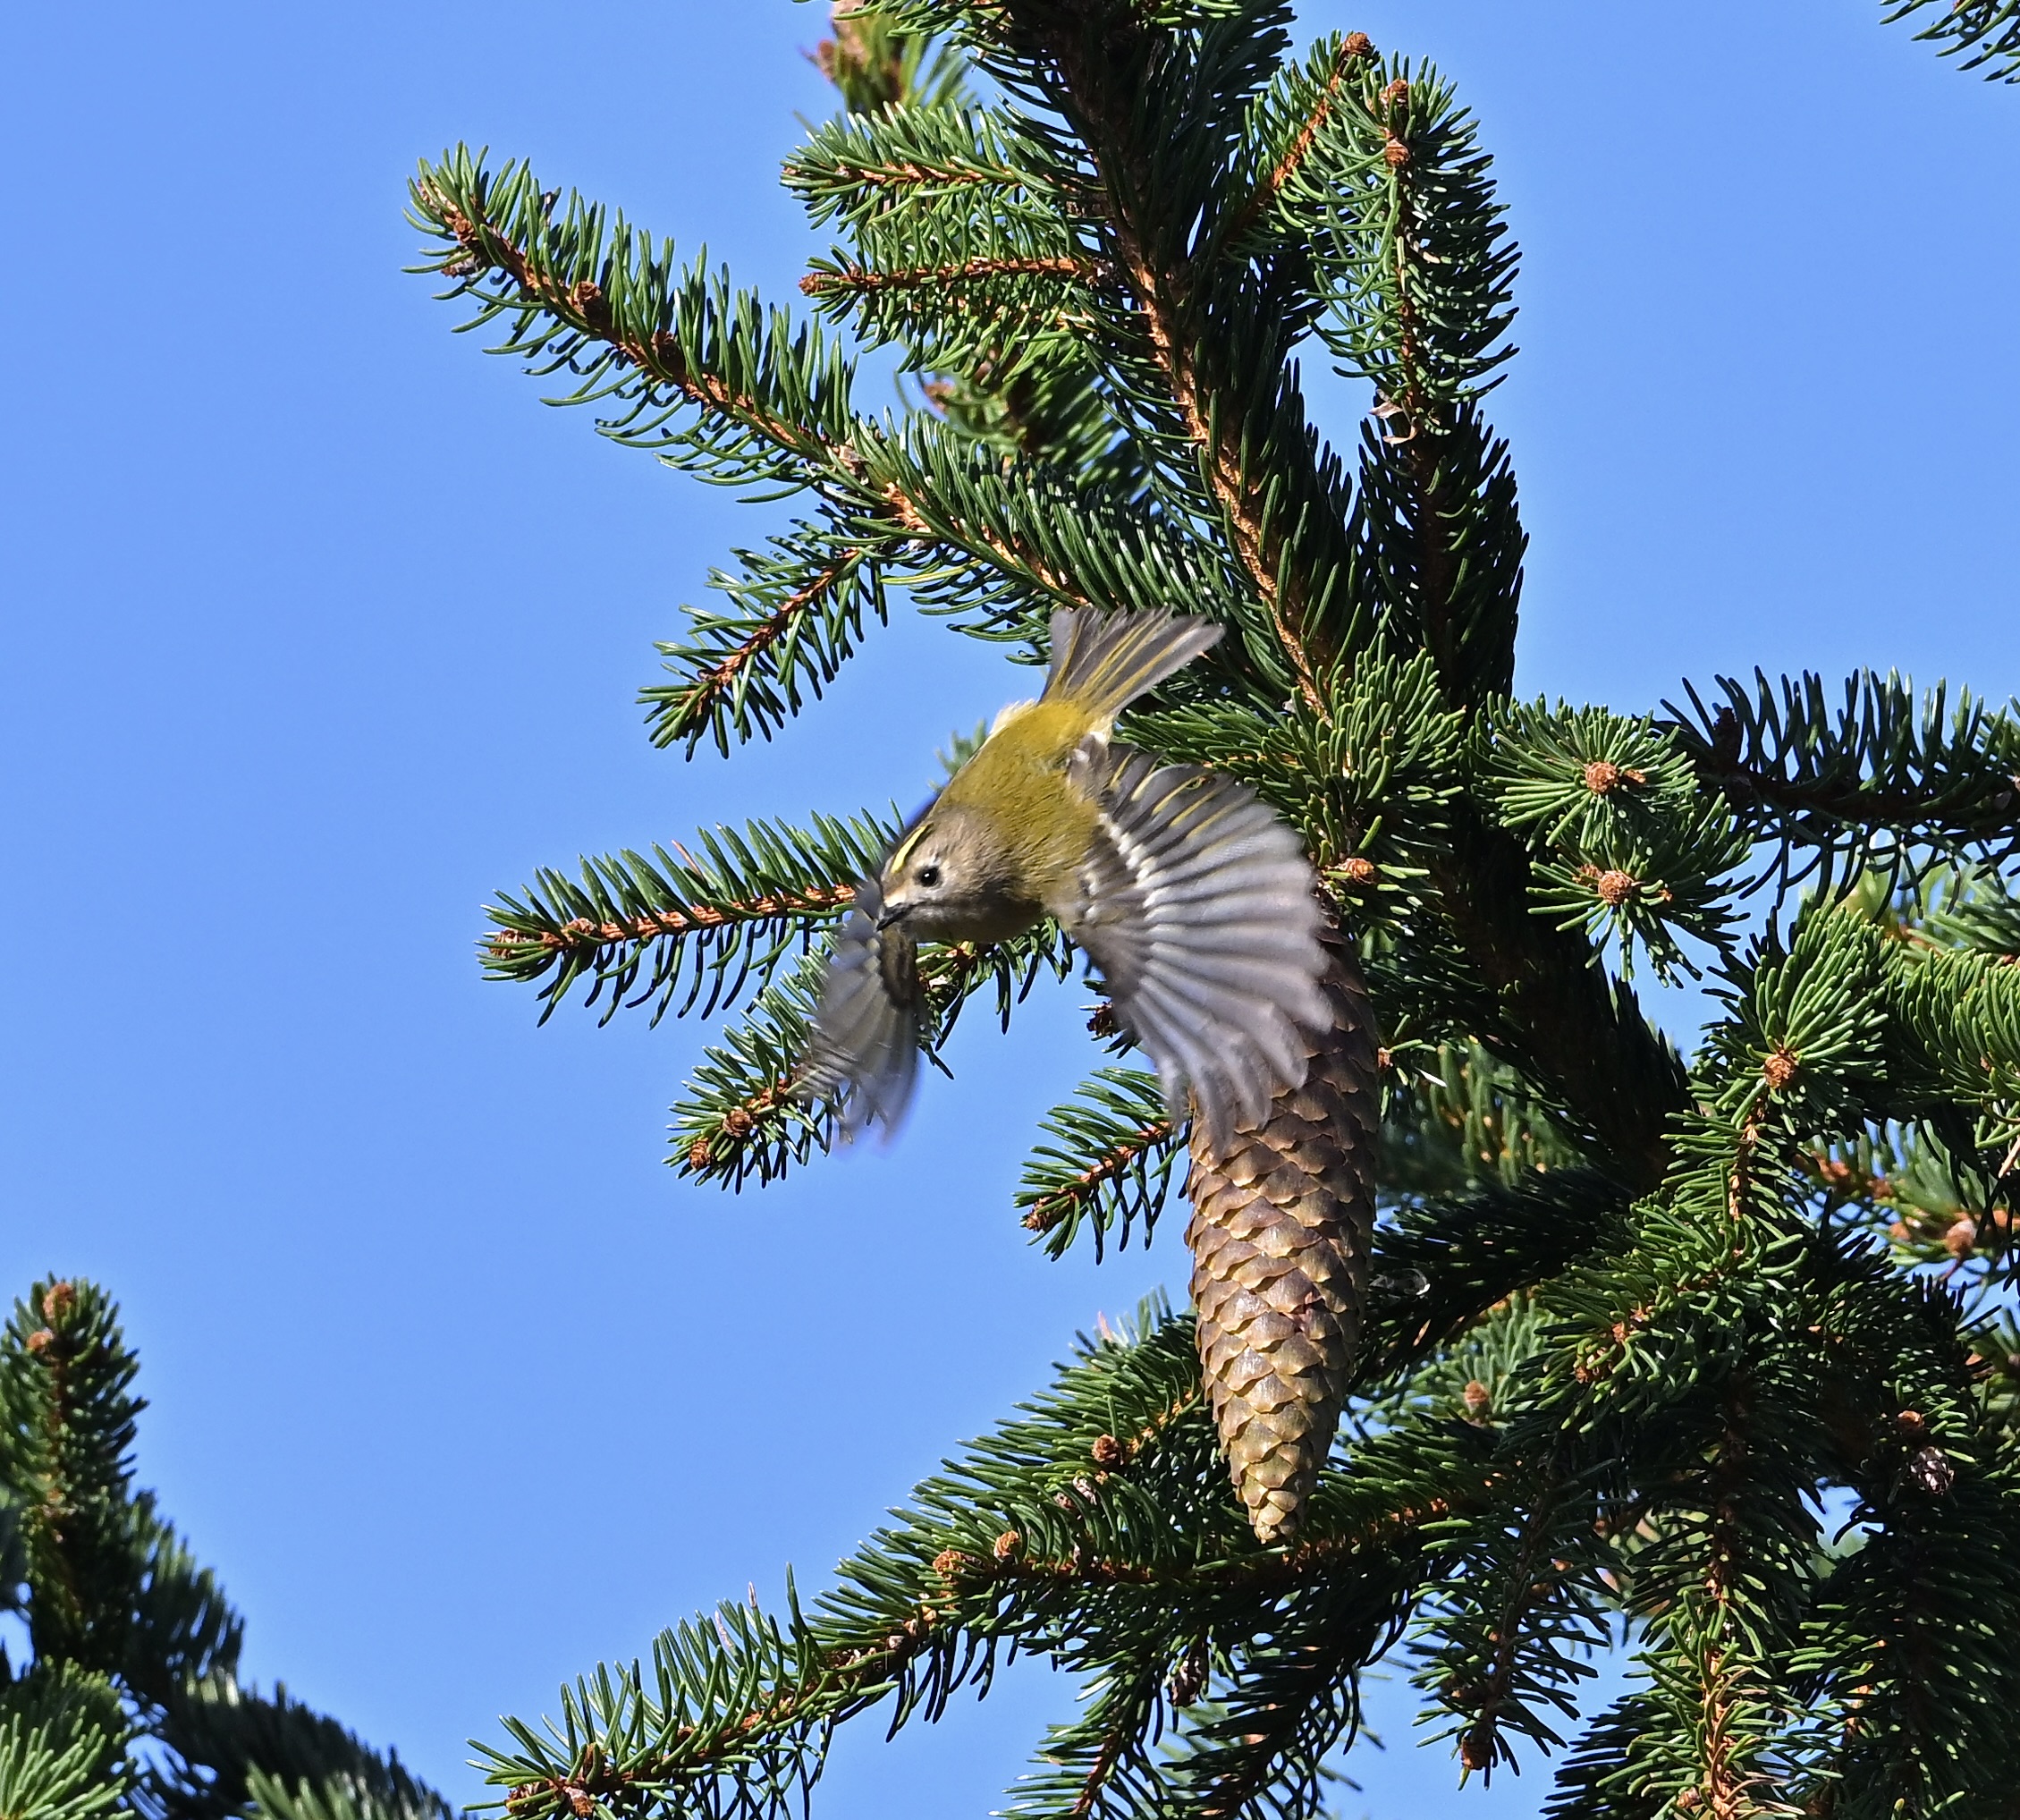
(1193, 900)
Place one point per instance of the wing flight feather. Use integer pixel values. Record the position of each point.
(866, 1047)
(1197, 903)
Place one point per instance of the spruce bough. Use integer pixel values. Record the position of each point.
(1629, 1317)
(129, 1702)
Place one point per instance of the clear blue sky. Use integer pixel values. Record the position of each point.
(320, 630)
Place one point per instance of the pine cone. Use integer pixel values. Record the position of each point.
(1279, 1236)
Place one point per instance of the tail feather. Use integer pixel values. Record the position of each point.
(1102, 661)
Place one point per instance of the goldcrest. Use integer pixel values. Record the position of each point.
(1194, 902)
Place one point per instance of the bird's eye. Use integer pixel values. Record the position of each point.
(929, 876)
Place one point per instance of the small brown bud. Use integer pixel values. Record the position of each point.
(1109, 1451)
(1358, 44)
(1899, 1233)
(57, 1300)
(1359, 871)
(1396, 91)
(1690, 1801)
(699, 1156)
(1477, 1398)
(1010, 1545)
(1103, 1023)
(1911, 1425)
(1603, 776)
(737, 1122)
(1779, 1068)
(951, 1563)
(1476, 1753)
(579, 1801)
(1614, 888)
(1962, 1237)
(41, 1340)
(1931, 1471)
(1396, 154)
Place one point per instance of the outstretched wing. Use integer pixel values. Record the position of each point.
(1197, 903)
(865, 1048)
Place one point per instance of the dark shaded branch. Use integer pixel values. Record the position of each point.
(1566, 1025)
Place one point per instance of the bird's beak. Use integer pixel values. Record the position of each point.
(894, 913)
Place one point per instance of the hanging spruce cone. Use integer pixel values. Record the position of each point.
(1280, 1235)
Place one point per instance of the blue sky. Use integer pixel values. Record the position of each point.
(321, 630)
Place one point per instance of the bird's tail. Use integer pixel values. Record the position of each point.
(1102, 661)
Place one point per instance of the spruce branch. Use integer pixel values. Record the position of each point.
(1972, 909)
(702, 374)
(1979, 32)
(743, 1117)
(1216, 338)
(715, 919)
(877, 65)
(1034, 536)
(63, 1744)
(901, 186)
(1724, 1587)
(1575, 1036)
(67, 1420)
(1877, 782)
(799, 612)
(1367, 779)
(1626, 843)
(863, 167)
(131, 1637)
(1391, 194)
(183, 1628)
(1516, 1608)
(1899, 1642)
(1443, 1263)
(1454, 1118)
(852, 280)
(1287, 122)
(959, 285)
(1957, 1061)
(1108, 1163)
(235, 1745)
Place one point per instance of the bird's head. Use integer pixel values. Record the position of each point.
(954, 879)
